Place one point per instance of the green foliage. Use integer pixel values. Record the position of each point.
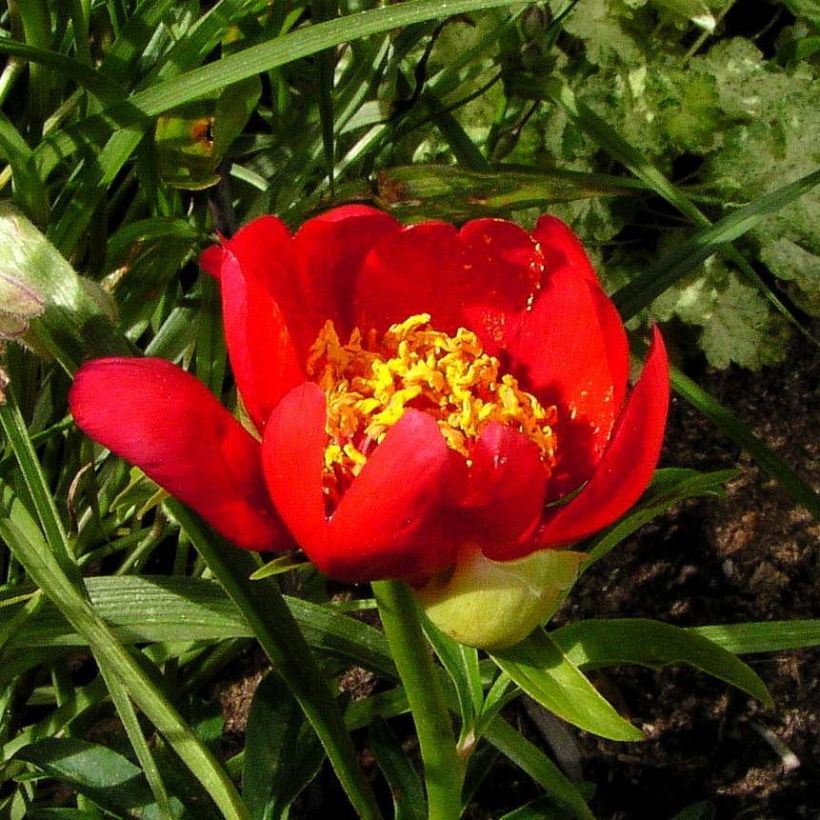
(130, 132)
(747, 124)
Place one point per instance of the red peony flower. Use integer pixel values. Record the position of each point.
(414, 391)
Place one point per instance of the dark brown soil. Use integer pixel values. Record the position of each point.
(751, 556)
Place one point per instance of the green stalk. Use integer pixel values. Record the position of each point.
(14, 427)
(443, 769)
(130, 721)
(25, 540)
(35, 20)
(268, 615)
(80, 13)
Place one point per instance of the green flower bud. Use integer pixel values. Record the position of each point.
(495, 604)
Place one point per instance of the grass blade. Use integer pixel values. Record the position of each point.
(667, 271)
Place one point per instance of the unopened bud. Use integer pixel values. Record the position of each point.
(495, 604)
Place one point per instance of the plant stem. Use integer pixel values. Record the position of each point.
(265, 609)
(443, 769)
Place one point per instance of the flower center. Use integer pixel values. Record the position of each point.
(370, 382)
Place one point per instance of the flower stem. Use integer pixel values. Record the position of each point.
(265, 609)
(443, 769)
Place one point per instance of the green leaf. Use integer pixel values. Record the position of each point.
(810, 9)
(282, 752)
(768, 636)
(461, 663)
(263, 605)
(542, 808)
(455, 194)
(740, 329)
(277, 566)
(143, 609)
(409, 802)
(798, 267)
(604, 27)
(735, 429)
(30, 192)
(192, 140)
(669, 487)
(702, 810)
(26, 542)
(538, 766)
(543, 670)
(597, 643)
(103, 775)
(672, 267)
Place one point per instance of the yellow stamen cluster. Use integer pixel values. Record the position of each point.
(370, 382)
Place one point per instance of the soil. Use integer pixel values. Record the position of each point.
(749, 556)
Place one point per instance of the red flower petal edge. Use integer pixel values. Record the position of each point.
(165, 421)
(627, 465)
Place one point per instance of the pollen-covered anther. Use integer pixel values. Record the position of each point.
(369, 383)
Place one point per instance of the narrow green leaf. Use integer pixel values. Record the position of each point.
(130, 721)
(36, 21)
(26, 543)
(120, 61)
(542, 669)
(11, 421)
(322, 11)
(262, 604)
(542, 808)
(702, 810)
(461, 663)
(261, 58)
(29, 190)
(95, 82)
(733, 427)
(405, 784)
(103, 775)
(278, 566)
(767, 636)
(669, 487)
(538, 766)
(143, 609)
(443, 768)
(456, 194)
(595, 643)
(667, 271)
(464, 149)
(281, 758)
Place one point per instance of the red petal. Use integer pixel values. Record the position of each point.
(387, 524)
(504, 496)
(627, 465)
(571, 351)
(261, 351)
(163, 420)
(562, 249)
(327, 254)
(210, 260)
(263, 357)
(475, 278)
(261, 247)
(278, 291)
